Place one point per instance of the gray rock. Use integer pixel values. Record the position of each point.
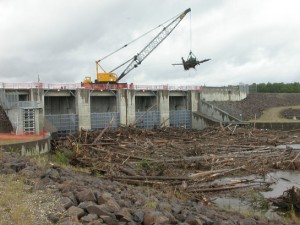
(180, 217)
(138, 216)
(84, 205)
(193, 220)
(164, 206)
(99, 210)
(8, 171)
(132, 223)
(17, 166)
(103, 197)
(248, 221)
(28, 172)
(96, 222)
(109, 220)
(71, 196)
(152, 217)
(54, 174)
(69, 220)
(89, 218)
(85, 195)
(171, 217)
(124, 215)
(207, 221)
(67, 202)
(112, 205)
(176, 208)
(75, 211)
(54, 218)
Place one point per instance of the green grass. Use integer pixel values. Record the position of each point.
(12, 204)
(274, 115)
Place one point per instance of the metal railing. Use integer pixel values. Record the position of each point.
(99, 86)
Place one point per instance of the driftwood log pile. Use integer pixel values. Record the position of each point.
(181, 158)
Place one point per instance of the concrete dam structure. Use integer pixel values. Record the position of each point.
(34, 107)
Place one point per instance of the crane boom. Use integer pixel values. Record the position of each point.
(139, 57)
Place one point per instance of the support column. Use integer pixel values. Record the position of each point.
(193, 101)
(83, 108)
(126, 106)
(164, 107)
(193, 105)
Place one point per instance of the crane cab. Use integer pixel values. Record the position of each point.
(106, 78)
(87, 80)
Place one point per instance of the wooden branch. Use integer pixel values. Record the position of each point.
(149, 178)
(292, 161)
(144, 182)
(122, 154)
(221, 188)
(102, 132)
(202, 174)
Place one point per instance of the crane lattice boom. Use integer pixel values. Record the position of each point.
(138, 58)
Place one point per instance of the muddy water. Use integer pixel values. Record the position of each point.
(289, 146)
(282, 181)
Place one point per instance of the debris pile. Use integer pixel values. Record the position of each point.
(5, 124)
(290, 200)
(181, 158)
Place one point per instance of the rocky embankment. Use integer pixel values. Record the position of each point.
(5, 124)
(256, 103)
(85, 199)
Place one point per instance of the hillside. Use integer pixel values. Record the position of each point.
(256, 103)
(5, 124)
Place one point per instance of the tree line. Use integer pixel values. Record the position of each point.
(275, 87)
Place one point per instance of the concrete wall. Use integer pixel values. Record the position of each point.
(201, 121)
(14, 116)
(145, 103)
(103, 104)
(277, 126)
(30, 147)
(216, 113)
(60, 105)
(178, 103)
(232, 93)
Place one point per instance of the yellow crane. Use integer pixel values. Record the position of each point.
(112, 78)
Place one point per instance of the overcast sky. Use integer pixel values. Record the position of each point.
(249, 41)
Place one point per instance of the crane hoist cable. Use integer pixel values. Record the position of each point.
(191, 41)
(162, 35)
